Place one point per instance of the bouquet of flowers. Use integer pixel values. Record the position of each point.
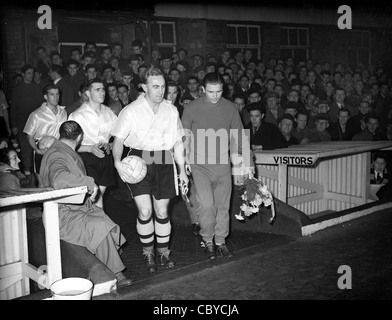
(254, 194)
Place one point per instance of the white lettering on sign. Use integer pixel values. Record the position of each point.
(298, 160)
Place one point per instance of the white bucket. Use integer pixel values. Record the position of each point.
(72, 289)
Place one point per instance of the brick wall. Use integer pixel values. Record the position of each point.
(125, 35)
(216, 37)
(47, 38)
(22, 38)
(382, 46)
(191, 36)
(270, 40)
(15, 50)
(327, 43)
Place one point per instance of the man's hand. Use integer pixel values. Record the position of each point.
(188, 169)
(95, 150)
(122, 170)
(94, 195)
(184, 180)
(106, 146)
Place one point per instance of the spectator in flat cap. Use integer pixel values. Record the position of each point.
(200, 73)
(286, 124)
(293, 95)
(274, 111)
(322, 116)
(199, 68)
(166, 63)
(291, 107)
(271, 94)
(320, 133)
(107, 66)
(210, 67)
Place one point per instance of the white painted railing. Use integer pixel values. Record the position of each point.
(320, 176)
(15, 269)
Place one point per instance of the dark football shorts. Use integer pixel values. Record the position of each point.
(101, 169)
(159, 180)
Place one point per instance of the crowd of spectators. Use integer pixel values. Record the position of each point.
(306, 101)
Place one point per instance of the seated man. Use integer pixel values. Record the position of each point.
(81, 224)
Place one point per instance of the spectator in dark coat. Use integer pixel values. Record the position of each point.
(26, 97)
(342, 130)
(66, 90)
(286, 124)
(372, 131)
(263, 135)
